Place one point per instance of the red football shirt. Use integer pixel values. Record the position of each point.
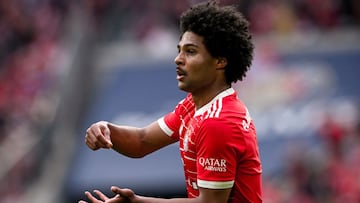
(218, 146)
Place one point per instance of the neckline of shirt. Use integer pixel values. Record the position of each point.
(221, 95)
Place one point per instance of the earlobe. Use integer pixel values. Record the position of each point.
(221, 63)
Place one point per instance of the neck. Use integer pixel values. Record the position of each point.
(204, 97)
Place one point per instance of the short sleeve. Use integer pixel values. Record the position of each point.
(172, 122)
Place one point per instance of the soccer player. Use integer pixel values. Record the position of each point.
(217, 136)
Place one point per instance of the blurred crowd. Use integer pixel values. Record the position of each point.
(31, 41)
(29, 45)
(327, 172)
(137, 18)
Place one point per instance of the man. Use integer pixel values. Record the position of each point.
(217, 136)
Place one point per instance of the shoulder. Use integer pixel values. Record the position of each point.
(218, 126)
(185, 106)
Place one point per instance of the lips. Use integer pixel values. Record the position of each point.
(180, 74)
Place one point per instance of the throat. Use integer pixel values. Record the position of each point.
(201, 100)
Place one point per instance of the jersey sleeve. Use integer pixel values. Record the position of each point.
(217, 154)
(170, 124)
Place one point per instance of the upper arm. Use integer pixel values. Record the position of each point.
(154, 138)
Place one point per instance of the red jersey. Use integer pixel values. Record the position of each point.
(218, 146)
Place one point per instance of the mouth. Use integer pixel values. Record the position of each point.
(180, 74)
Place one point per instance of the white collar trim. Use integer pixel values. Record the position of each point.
(221, 95)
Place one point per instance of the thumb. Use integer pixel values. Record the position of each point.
(106, 133)
(127, 193)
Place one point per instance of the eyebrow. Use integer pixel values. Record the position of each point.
(187, 45)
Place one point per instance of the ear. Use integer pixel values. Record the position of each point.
(221, 63)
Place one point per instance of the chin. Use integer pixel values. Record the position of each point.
(182, 87)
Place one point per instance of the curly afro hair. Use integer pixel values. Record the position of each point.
(226, 34)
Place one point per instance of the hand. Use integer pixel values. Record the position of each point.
(98, 136)
(122, 196)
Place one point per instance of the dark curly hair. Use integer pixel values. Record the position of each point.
(226, 34)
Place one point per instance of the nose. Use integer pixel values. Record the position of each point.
(179, 59)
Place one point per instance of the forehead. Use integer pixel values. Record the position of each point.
(190, 38)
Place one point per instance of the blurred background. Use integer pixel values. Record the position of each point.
(66, 64)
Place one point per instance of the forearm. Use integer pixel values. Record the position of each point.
(127, 140)
(206, 196)
(161, 200)
(138, 142)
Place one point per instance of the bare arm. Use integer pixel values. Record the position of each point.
(130, 141)
(206, 196)
(127, 195)
(138, 142)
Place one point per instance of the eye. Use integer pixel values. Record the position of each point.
(190, 51)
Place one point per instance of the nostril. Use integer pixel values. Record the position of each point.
(177, 61)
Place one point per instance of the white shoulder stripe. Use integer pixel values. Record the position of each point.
(219, 108)
(213, 109)
(215, 184)
(164, 127)
(211, 106)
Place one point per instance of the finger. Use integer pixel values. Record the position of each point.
(106, 135)
(82, 201)
(95, 136)
(91, 145)
(127, 193)
(106, 131)
(91, 198)
(100, 135)
(117, 199)
(90, 139)
(101, 195)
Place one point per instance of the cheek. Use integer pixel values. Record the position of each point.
(197, 70)
(199, 67)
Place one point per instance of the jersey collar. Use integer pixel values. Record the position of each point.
(221, 95)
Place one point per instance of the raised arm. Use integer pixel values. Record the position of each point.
(130, 141)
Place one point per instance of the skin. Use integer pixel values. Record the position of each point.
(197, 73)
(201, 74)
